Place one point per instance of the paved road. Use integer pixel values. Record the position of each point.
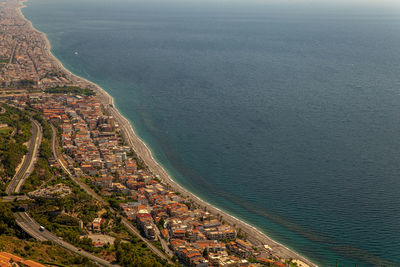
(135, 231)
(131, 228)
(84, 186)
(29, 225)
(164, 243)
(13, 198)
(29, 161)
(125, 127)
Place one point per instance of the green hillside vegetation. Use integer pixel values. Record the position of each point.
(78, 204)
(62, 217)
(42, 171)
(12, 139)
(10, 241)
(8, 225)
(136, 254)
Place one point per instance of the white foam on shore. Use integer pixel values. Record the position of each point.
(166, 177)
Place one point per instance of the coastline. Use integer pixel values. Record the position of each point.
(145, 154)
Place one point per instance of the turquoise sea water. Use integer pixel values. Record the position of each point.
(285, 116)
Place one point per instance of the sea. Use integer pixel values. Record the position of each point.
(285, 114)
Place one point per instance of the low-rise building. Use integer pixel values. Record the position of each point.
(52, 192)
(96, 224)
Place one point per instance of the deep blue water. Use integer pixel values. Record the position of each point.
(287, 116)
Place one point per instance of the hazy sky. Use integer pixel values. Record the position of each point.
(334, 2)
(370, 7)
(394, 4)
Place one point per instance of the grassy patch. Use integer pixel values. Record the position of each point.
(70, 90)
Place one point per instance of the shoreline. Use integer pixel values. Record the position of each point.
(145, 154)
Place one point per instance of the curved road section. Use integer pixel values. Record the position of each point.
(29, 161)
(84, 186)
(132, 229)
(33, 229)
(27, 223)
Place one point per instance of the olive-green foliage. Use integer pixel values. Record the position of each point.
(70, 90)
(42, 171)
(8, 225)
(136, 253)
(114, 203)
(78, 202)
(40, 174)
(63, 224)
(54, 74)
(4, 60)
(26, 83)
(66, 220)
(45, 149)
(12, 147)
(47, 131)
(12, 154)
(83, 206)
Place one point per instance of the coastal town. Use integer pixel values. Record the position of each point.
(95, 152)
(23, 56)
(94, 149)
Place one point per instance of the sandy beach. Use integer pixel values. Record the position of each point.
(143, 151)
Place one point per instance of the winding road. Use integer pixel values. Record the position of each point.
(131, 228)
(30, 226)
(14, 198)
(27, 223)
(84, 186)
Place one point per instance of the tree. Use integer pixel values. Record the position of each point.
(7, 220)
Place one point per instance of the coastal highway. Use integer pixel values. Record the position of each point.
(30, 226)
(29, 160)
(132, 229)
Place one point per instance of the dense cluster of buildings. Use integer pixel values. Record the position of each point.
(23, 54)
(95, 151)
(52, 192)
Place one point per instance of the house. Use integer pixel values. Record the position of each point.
(212, 246)
(96, 224)
(145, 222)
(104, 182)
(240, 248)
(164, 234)
(178, 234)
